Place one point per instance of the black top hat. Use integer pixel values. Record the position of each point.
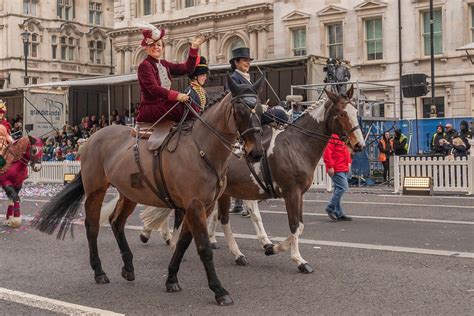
(240, 52)
(201, 68)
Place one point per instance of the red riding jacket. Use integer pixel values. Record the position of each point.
(156, 100)
(336, 155)
(7, 125)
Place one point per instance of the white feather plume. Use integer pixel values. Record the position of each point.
(155, 32)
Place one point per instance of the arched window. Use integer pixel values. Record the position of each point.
(189, 3)
(96, 50)
(184, 54)
(234, 43)
(68, 46)
(54, 47)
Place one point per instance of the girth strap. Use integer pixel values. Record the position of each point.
(267, 182)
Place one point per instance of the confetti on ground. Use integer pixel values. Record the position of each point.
(37, 190)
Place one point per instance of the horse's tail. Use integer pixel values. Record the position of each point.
(107, 209)
(153, 218)
(61, 210)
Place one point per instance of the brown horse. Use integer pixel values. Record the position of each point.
(194, 174)
(292, 158)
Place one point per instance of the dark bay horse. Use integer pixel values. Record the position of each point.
(23, 152)
(292, 157)
(194, 174)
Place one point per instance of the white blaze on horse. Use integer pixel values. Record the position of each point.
(291, 156)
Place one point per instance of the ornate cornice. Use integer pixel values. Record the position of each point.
(30, 24)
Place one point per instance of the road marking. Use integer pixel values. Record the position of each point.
(406, 219)
(51, 304)
(446, 253)
(432, 196)
(384, 203)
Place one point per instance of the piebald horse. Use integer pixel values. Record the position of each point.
(194, 174)
(293, 155)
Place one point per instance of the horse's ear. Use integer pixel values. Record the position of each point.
(332, 96)
(234, 88)
(258, 85)
(32, 140)
(350, 92)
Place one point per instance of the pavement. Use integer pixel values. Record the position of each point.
(400, 255)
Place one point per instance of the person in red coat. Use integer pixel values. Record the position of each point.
(154, 76)
(337, 159)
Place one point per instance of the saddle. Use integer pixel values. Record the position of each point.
(155, 135)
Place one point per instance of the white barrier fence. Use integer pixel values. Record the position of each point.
(53, 172)
(455, 176)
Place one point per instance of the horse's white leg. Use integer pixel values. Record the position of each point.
(175, 237)
(212, 227)
(303, 265)
(256, 218)
(233, 247)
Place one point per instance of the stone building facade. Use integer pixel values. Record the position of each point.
(226, 23)
(66, 39)
(365, 33)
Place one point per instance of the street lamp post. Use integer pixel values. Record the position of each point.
(26, 39)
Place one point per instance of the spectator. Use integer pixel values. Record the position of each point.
(400, 144)
(69, 155)
(436, 143)
(465, 134)
(385, 151)
(456, 149)
(93, 121)
(337, 160)
(450, 133)
(103, 121)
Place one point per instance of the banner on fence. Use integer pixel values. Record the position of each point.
(43, 107)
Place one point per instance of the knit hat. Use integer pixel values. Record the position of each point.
(151, 33)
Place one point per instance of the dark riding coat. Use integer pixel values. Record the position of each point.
(156, 100)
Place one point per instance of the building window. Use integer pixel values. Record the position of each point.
(65, 9)
(439, 102)
(437, 32)
(67, 48)
(33, 46)
(54, 47)
(189, 3)
(335, 38)
(146, 7)
(29, 7)
(236, 42)
(472, 23)
(95, 12)
(373, 33)
(299, 42)
(96, 49)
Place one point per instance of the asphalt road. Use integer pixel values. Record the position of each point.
(400, 255)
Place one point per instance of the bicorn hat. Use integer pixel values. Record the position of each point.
(150, 33)
(3, 106)
(201, 67)
(240, 52)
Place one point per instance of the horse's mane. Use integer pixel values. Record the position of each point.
(311, 108)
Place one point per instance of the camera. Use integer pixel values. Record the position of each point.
(330, 70)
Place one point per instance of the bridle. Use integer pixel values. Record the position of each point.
(22, 159)
(245, 99)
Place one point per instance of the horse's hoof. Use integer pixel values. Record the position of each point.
(173, 287)
(225, 300)
(168, 242)
(242, 261)
(305, 268)
(268, 246)
(128, 275)
(102, 279)
(214, 245)
(144, 239)
(270, 250)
